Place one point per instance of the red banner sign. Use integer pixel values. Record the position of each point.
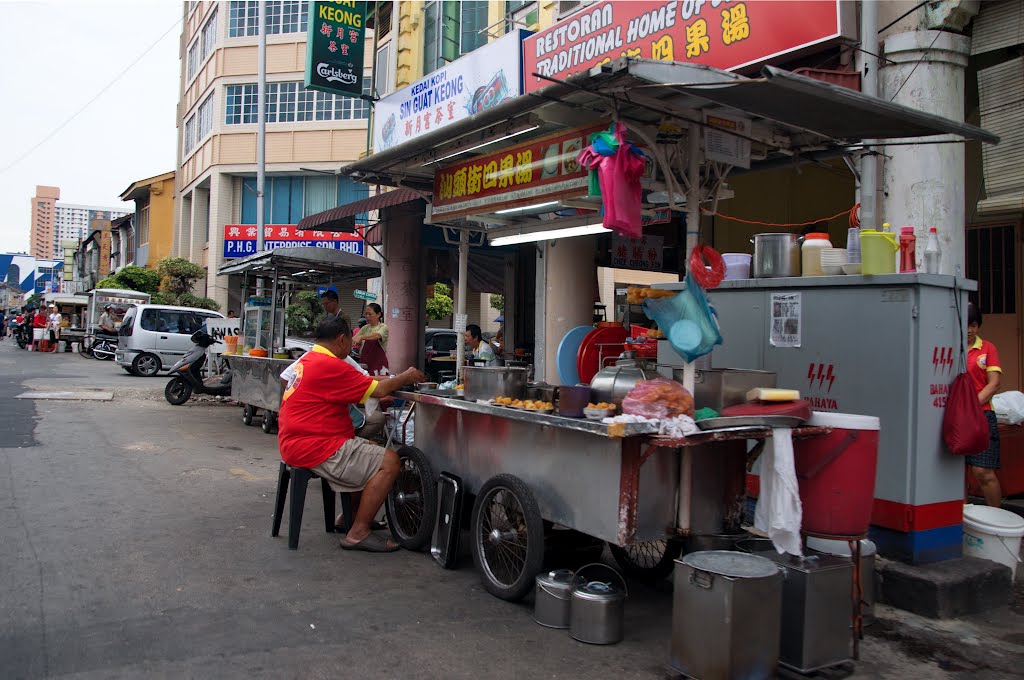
(724, 34)
(534, 172)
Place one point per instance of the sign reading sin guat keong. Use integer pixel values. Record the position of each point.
(334, 47)
(473, 83)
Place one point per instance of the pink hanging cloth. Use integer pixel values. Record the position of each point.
(619, 176)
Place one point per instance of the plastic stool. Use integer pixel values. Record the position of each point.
(299, 478)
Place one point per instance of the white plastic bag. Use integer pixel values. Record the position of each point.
(779, 512)
(1010, 405)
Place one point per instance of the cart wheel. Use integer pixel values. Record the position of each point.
(177, 391)
(248, 414)
(648, 561)
(411, 504)
(269, 422)
(508, 537)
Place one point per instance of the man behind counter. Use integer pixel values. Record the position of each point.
(315, 430)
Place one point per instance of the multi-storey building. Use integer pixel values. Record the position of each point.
(309, 134)
(44, 207)
(53, 222)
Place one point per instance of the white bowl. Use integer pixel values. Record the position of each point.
(851, 268)
(831, 269)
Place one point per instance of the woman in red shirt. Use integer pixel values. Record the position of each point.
(985, 372)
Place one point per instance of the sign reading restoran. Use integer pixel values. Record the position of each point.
(541, 170)
(724, 34)
(334, 47)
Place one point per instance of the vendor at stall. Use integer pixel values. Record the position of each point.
(316, 431)
(329, 300)
(373, 341)
(985, 372)
(107, 320)
(480, 350)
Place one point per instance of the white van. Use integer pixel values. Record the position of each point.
(153, 337)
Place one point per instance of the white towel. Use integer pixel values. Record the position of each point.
(779, 512)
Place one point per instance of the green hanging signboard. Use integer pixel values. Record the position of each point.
(334, 47)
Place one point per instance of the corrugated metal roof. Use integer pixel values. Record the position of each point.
(335, 218)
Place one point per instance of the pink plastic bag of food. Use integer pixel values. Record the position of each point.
(658, 398)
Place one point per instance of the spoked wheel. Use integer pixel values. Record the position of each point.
(648, 561)
(508, 537)
(269, 422)
(248, 414)
(412, 502)
(177, 391)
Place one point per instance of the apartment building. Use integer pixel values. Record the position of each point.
(309, 134)
(53, 222)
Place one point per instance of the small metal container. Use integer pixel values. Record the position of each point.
(613, 383)
(552, 598)
(720, 387)
(776, 255)
(726, 616)
(598, 608)
(488, 382)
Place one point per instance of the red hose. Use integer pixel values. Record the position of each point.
(707, 279)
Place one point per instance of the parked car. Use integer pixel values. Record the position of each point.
(440, 342)
(153, 337)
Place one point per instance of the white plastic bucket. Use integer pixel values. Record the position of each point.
(737, 266)
(993, 534)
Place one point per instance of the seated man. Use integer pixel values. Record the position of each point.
(479, 349)
(315, 430)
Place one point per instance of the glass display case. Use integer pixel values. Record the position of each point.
(256, 327)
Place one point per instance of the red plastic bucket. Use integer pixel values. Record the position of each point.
(836, 473)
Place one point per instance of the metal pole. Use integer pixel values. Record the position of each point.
(460, 304)
(869, 85)
(261, 122)
(693, 192)
(273, 316)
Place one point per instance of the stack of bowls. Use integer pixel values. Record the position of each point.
(832, 261)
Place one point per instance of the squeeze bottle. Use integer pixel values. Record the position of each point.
(908, 250)
(932, 253)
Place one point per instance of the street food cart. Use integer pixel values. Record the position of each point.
(256, 380)
(75, 309)
(99, 298)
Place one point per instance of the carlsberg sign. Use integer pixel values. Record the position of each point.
(334, 47)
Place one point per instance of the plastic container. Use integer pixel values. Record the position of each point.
(230, 344)
(878, 252)
(932, 252)
(908, 250)
(810, 254)
(836, 474)
(737, 265)
(853, 245)
(993, 534)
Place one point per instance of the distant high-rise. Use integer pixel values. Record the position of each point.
(54, 222)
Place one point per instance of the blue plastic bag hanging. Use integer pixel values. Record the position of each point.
(687, 320)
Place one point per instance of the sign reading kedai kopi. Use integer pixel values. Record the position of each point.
(723, 34)
(334, 47)
(473, 83)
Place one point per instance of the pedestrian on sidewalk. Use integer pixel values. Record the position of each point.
(53, 324)
(985, 372)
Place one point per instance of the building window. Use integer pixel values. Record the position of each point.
(204, 126)
(283, 16)
(144, 224)
(452, 29)
(992, 262)
(521, 14)
(432, 35)
(289, 102)
(190, 133)
(382, 72)
(129, 257)
(243, 18)
(193, 60)
(209, 36)
(288, 199)
(472, 26)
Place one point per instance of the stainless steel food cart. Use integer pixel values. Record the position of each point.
(256, 384)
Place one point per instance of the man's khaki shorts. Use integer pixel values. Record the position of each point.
(352, 465)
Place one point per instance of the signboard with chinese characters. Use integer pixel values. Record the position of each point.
(725, 35)
(533, 172)
(645, 253)
(240, 239)
(723, 147)
(334, 47)
(476, 82)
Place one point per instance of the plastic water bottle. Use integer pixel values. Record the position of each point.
(932, 253)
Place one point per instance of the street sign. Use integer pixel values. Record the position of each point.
(365, 295)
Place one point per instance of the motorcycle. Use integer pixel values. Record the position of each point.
(23, 334)
(187, 374)
(104, 348)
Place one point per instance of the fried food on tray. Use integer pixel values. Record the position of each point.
(635, 295)
(602, 406)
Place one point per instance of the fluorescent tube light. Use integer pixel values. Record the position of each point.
(525, 208)
(549, 235)
(480, 146)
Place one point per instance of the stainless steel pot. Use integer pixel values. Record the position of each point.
(551, 598)
(776, 255)
(541, 392)
(488, 382)
(613, 383)
(598, 607)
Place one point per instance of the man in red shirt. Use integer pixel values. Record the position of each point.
(985, 372)
(316, 432)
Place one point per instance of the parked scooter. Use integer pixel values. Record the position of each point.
(23, 334)
(105, 347)
(187, 374)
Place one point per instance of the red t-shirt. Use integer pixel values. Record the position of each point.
(314, 420)
(39, 321)
(982, 359)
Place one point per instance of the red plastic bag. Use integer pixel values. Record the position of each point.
(964, 426)
(658, 398)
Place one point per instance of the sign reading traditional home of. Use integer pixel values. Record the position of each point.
(533, 172)
(473, 83)
(334, 47)
(725, 35)
(240, 239)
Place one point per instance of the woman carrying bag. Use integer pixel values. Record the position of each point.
(985, 373)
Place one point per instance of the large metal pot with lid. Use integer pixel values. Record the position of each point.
(598, 607)
(776, 255)
(613, 383)
(551, 598)
(488, 382)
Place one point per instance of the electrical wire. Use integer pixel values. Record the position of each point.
(923, 55)
(779, 224)
(99, 94)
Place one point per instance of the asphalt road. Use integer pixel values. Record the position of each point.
(136, 543)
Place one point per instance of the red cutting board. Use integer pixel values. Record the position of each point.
(798, 409)
(603, 344)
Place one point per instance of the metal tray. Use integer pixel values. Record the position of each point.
(749, 421)
(444, 545)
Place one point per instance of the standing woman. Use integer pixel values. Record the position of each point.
(374, 340)
(985, 372)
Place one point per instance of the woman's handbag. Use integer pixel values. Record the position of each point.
(964, 426)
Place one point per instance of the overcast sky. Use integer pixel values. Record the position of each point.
(57, 56)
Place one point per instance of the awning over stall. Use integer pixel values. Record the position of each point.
(305, 265)
(341, 218)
